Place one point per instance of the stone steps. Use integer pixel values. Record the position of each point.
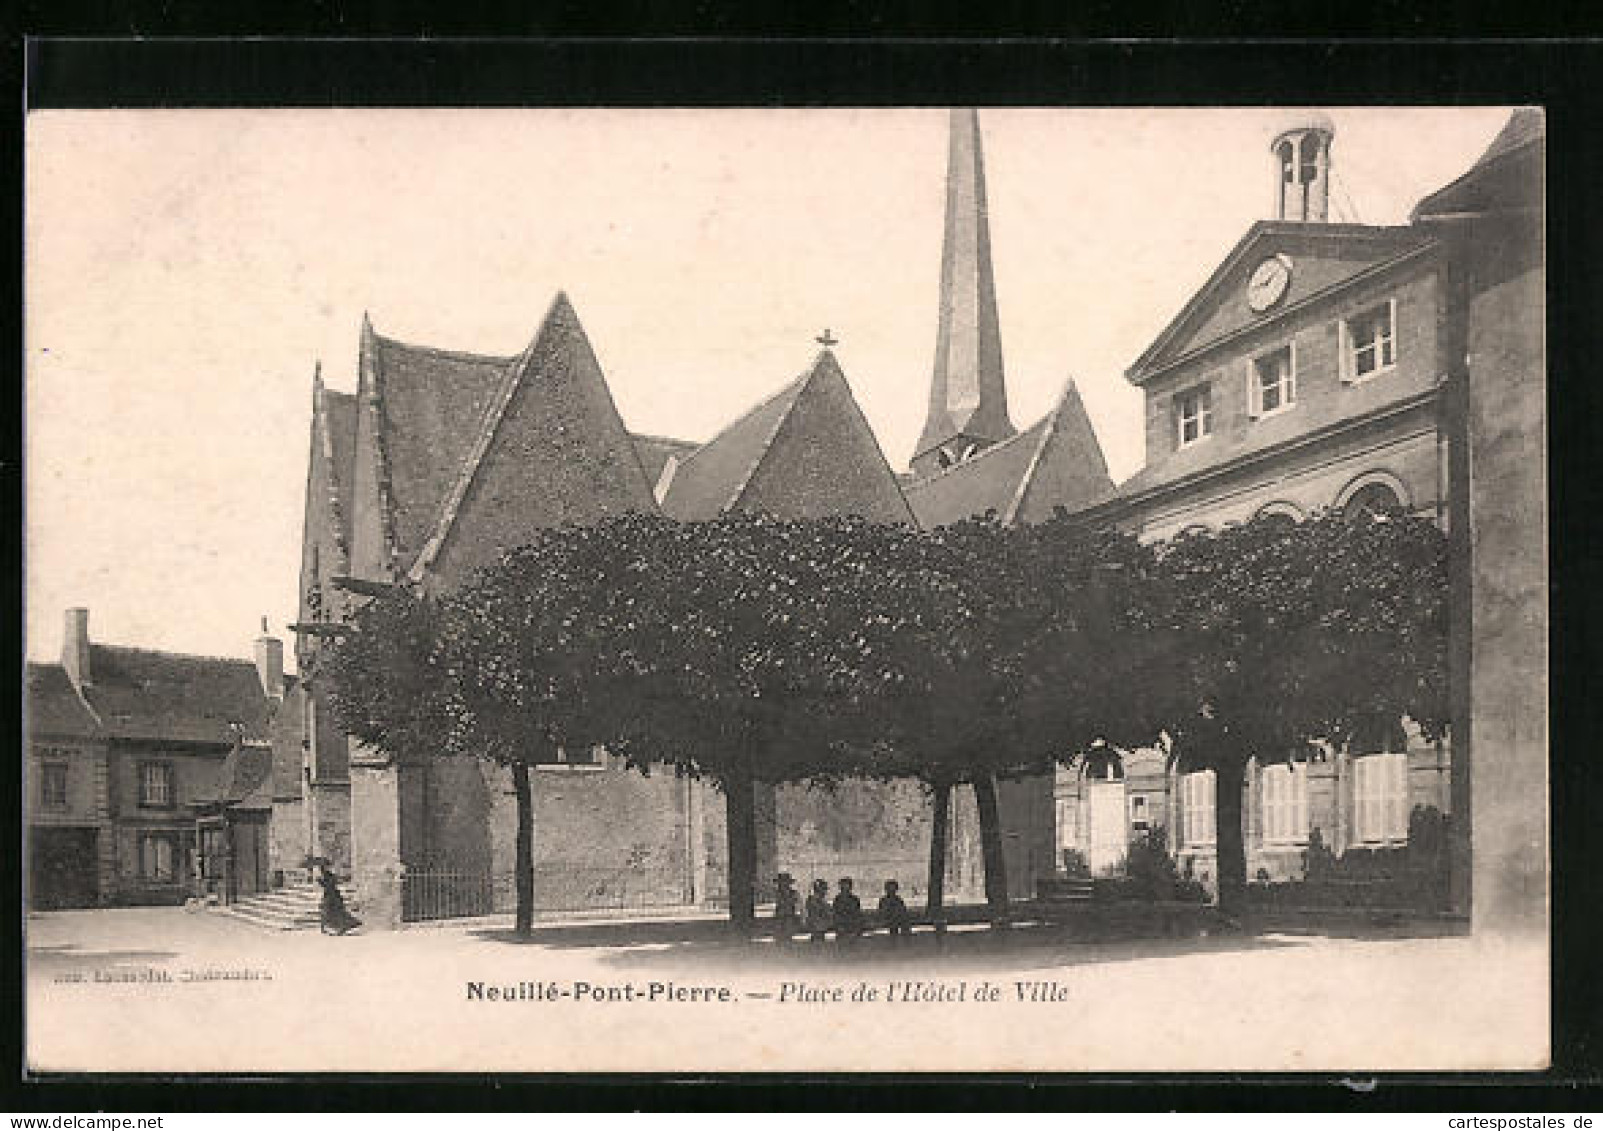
(297, 907)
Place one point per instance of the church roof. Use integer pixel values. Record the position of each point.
(805, 452)
(1057, 462)
(654, 452)
(709, 481)
(338, 425)
(549, 448)
(519, 441)
(433, 406)
(138, 694)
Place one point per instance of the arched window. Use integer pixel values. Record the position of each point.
(1288, 166)
(1373, 501)
(1280, 510)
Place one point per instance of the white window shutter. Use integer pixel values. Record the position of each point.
(1344, 351)
(1254, 393)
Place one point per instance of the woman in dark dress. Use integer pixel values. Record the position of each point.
(336, 916)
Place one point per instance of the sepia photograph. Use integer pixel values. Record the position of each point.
(922, 589)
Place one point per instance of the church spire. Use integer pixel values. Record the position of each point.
(968, 397)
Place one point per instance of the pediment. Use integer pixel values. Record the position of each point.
(1319, 258)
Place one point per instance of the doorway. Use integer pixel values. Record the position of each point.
(63, 872)
(1107, 813)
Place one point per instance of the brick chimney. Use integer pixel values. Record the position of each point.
(270, 663)
(75, 648)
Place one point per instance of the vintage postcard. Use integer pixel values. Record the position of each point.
(921, 590)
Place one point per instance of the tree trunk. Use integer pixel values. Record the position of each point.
(740, 808)
(523, 866)
(940, 826)
(1230, 844)
(991, 844)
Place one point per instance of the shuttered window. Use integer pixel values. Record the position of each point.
(1196, 808)
(1283, 796)
(1380, 797)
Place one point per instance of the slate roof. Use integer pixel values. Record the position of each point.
(1055, 462)
(710, 480)
(140, 694)
(655, 450)
(247, 777)
(339, 428)
(986, 481)
(432, 403)
(52, 707)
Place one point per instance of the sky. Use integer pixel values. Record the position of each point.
(186, 270)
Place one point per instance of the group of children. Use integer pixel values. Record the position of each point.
(844, 915)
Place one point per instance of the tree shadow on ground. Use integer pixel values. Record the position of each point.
(1021, 948)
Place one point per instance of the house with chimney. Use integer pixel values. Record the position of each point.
(145, 773)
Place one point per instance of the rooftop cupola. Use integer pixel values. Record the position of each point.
(1302, 169)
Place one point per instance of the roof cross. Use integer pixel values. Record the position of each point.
(826, 339)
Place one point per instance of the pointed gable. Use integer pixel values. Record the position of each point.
(1323, 257)
(1069, 470)
(549, 448)
(325, 528)
(1057, 462)
(806, 452)
(709, 480)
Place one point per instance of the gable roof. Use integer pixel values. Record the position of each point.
(336, 423)
(52, 706)
(709, 481)
(548, 448)
(146, 695)
(431, 405)
(806, 451)
(1341, 253)
(1056, 462)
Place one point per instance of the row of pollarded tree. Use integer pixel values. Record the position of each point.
(748, 649)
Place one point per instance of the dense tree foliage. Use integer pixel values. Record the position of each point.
(1272, 635)
(750, 650)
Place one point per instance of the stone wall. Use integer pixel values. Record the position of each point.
(1507, 515)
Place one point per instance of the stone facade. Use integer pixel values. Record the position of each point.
(125, 748)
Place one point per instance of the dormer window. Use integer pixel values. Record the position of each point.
(1369, 342)
(953, 454)
(1193, 415)
(1272, 382)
